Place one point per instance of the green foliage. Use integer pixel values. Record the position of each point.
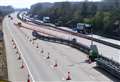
(4, 10)
(98, 21)
(84, 10)
(103, 16)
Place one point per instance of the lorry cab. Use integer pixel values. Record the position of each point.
(83, 28)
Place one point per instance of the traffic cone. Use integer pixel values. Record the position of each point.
(28, 37)
(33, 42)
(17, 52)
(68, 77)
(22, 66)
(19, 58)
(37, 46)
(42, 51)
(55, 65)
(28, 80)
(12, 40)
(30, 40)
(14, 46)
(13, 43)
(48, 57)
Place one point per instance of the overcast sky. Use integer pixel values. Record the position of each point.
(28, 3)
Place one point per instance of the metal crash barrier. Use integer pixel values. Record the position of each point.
(71, 43)
(109, 65)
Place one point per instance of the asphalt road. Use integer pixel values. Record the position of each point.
(107, 51)
(36, 63)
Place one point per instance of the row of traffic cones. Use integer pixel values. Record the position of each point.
(19, 58)
(22, 66)
(14, 45)
(32, 40)
(56, 65)
(22, 63)
(48, 57)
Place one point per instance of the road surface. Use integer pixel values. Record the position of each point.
(36, 63)
(107, 51)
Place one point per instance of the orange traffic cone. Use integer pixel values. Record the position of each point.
(33, 42)
(68, 77)
(42, 51)
(37, 46)
(28, 80)
(55, 65)
(13, 43)
(17, 52)
(30, 40)
(12, 40)
(48, 57)
(22, 66)
(28, 37)
(19, 58)
(14, 47)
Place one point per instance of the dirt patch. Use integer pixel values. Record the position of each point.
(3, 62)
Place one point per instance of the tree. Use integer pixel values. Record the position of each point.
(36, 9)
(107, 22)
(93, 9)
(60, 13)
(84, 10)
(98, 21)
(114, 3)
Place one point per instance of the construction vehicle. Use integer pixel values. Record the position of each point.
(93, 54)
(83, 28)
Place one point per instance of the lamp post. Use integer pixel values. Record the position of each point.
(91, 35)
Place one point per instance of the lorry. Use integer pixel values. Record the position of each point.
(83, 28)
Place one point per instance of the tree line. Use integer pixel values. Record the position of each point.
(4, 10)
(104, 16)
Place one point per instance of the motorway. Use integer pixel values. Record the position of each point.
(35, 58)
(107, 51)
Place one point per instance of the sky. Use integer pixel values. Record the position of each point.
(28, 3)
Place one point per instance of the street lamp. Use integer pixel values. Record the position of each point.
(91, 35)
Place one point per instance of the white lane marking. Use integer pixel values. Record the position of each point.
(23, 59)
